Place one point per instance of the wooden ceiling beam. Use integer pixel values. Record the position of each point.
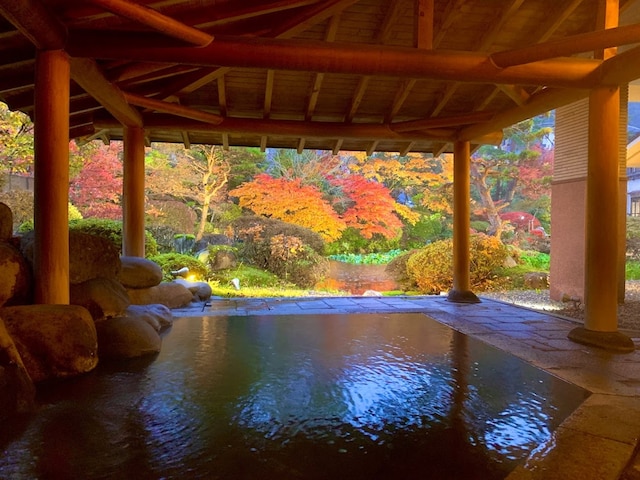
(441, 122)
(285, 128)
(86, 73)
(586, 42)
(321, 57)
(621, 68)
(538, 104)
(156, 20)
(34, 21)
(172, 108)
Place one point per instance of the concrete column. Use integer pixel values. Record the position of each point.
(51, 178)
(133, 193)
(461, 292)
(601, 226)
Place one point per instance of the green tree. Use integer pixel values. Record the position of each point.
(499, 172)
(16, 142)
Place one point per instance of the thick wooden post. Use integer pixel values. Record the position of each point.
(461, 292)
(133, 193)
(51, 178)
(602, 218)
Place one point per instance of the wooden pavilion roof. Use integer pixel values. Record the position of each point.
(367, 75)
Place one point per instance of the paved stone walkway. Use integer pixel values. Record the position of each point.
(597, 442)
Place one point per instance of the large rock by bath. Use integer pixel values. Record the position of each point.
(169, 294)
(54, 341)
(103, 297)
(158, 316)
(16, 278)
(138, 272)
(126, 337)
(6, 222)
(17, 391)
(201, 290)
(91, 256)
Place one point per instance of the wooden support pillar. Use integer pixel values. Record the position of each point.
(51, 178)
(461, 292)
(601, 229)
(133, 193)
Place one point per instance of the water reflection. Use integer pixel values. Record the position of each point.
(313, 397)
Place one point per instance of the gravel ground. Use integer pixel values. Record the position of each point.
(628, 313)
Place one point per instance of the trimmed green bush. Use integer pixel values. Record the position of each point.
(171, 262)
(112, 230)
(431, 268)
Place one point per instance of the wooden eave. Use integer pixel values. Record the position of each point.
(367, 75)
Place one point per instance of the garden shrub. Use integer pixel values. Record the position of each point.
(351, 241)
(397, 269)
(432, 267)
(171, 213)
(270, 245)
(112, 230)
(633, 238)
(428, 229)
(171, 262)
(243, 227)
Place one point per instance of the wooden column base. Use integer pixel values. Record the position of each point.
(614, 342)
(462, 296)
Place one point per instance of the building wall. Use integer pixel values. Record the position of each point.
(568, 197)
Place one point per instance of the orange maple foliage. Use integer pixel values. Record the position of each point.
(372, 207)
(292, 202)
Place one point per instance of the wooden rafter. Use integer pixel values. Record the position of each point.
(440, 122)
(314, 14)
(173, 108)
(401, 95)
(222, 96)
(515, 93)
(151, 18)
(34, 21)
(424, 24)
(86, 73)
(330, 36)
(357, 98)
(268, 93)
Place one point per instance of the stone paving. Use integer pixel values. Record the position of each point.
(598, 441)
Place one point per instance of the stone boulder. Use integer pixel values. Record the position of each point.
(536, 281)
(16, 280)
(17, 391)
(138, 272)
(169, 294)
(223, 260)
(126, 337)
(201, 290)
(158, 316)
(6, 222)
(54, 341)
(91, 256)
(103, 297)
